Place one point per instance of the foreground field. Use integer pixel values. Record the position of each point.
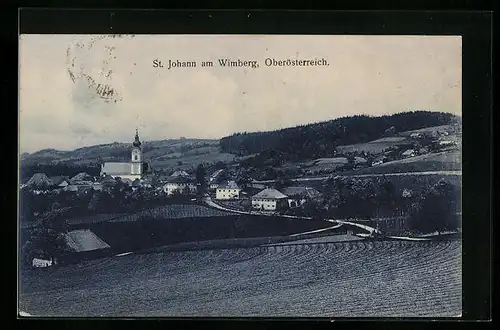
(367, 278)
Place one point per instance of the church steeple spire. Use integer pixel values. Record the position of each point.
(137, 142)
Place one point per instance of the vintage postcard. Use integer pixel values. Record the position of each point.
(240, 176)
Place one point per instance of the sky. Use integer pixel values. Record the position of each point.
(61, 76)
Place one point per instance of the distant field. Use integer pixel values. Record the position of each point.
(174, 212)
(323, 239)
(190, 160)
(375, 147)
(442, 157)
(84, 240)
(350, 279)
(446, 128)
(444, 161)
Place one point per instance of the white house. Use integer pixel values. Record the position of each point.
(42, 262)
(228, 190)
(181, 184)
(269, 200)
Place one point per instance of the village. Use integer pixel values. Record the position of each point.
(228, 184)
(317, 191)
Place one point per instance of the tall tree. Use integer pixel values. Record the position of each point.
(201, 179)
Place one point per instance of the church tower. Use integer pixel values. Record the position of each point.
(136, 155)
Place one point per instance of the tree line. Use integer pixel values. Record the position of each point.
(321, 139)
(434, 208)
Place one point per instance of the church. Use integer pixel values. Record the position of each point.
(131, 170)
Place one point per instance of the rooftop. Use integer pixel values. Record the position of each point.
(270, 193)
(228, 185)
(180, 179)
(301, 191)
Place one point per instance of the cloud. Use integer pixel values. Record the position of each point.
(82, 90)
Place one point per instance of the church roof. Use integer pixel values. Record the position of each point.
(116, 168)
(137, 142)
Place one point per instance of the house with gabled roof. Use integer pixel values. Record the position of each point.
(180, 184)
(180, 174)
(228, 190)
(39, 181)
(269, 199)
(81, 177)
(409, 153)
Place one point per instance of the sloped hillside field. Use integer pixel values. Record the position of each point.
(364, 278)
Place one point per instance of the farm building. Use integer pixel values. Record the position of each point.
(269, 200)
(416, 135)
(228, 190)
(181, 184)
(360, 161)
(446, 143)
(409, 153)
(39, 180)
(130, 170)
(45, 262)
(297, 196)
(82, 176)
(180, 174)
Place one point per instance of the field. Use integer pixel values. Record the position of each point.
(375, 146)
(445, 128)
(84, 240)
(326, 164)
(174, 211)
(190, 159)
(443, 161)
(351, 279)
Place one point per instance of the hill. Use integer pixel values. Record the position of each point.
(179, 153)
(321, 139)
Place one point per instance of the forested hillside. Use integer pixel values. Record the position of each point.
(320, 139)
